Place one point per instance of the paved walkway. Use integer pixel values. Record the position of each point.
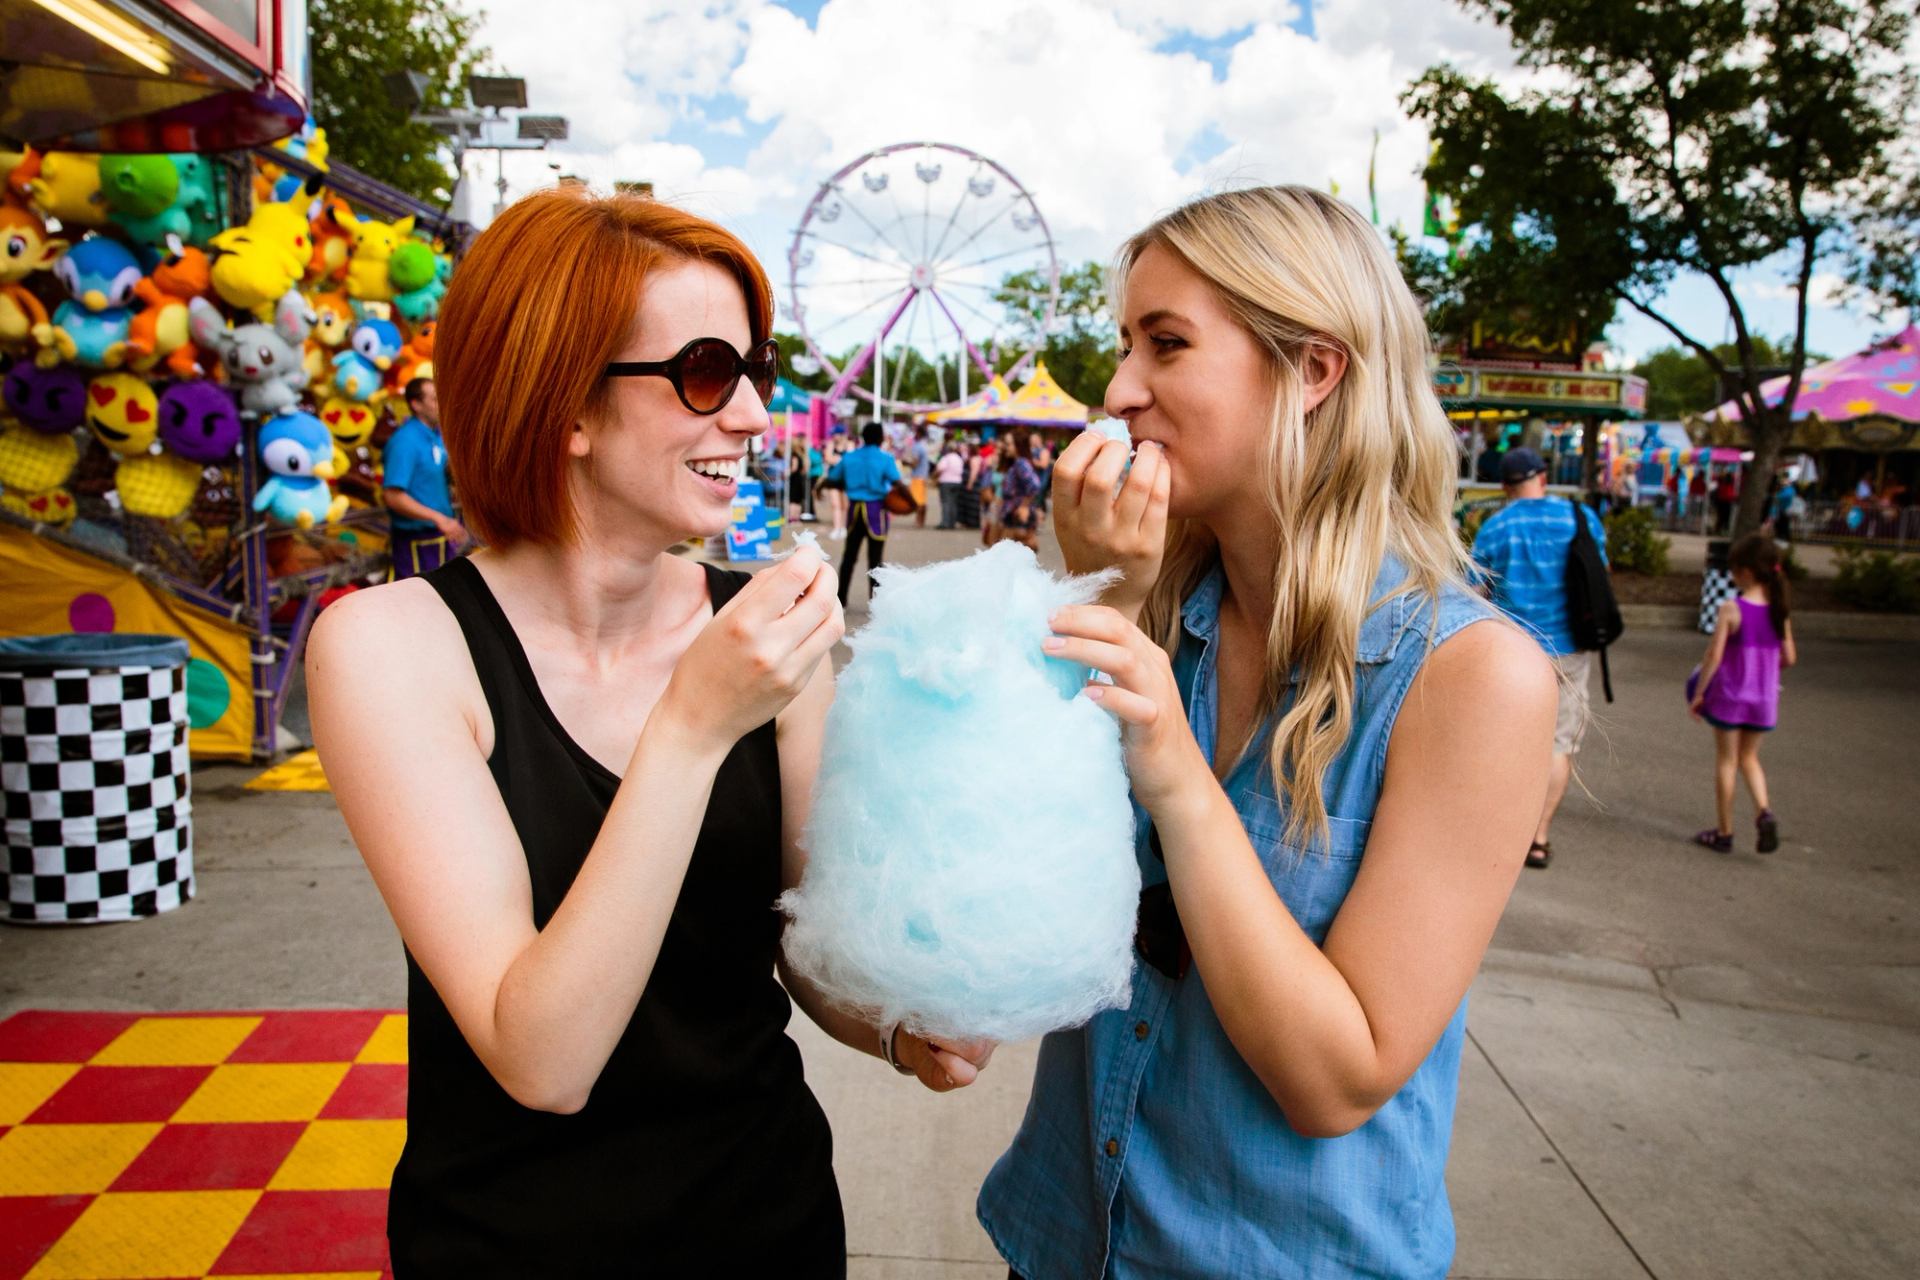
(1680, 1064)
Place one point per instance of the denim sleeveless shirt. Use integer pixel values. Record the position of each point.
(1149, 1147)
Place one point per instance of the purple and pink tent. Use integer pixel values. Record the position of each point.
(1881, 382)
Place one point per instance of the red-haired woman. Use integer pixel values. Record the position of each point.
(575, 766)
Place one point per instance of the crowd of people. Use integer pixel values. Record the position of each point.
(992, 480)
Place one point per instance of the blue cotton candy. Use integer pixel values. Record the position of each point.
(970, 863)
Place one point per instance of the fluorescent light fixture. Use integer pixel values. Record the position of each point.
(543, 128)
(112, 30)
(493, 91)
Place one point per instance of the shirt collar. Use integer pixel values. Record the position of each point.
(1380, 630)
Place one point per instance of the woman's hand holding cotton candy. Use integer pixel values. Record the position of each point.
(1103, 523)
(757, 653)
(1163, 759)
(944, 1065)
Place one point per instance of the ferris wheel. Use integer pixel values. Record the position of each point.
(907, 252)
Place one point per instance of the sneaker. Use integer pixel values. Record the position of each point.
(838, 535)
(1769, 832)
(1715, 839)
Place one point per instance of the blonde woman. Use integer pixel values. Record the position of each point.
(1339, 751)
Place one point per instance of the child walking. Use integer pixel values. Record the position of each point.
(1737, 688)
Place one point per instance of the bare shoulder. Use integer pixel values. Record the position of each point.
(391, 649)
(1487, 672)
(405, 622)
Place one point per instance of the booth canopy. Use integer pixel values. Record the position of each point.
(1881, 382)
(788, 398)
(989, 406)
(1043, 403)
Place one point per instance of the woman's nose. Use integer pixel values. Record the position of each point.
(1127, 393)
(746, 414)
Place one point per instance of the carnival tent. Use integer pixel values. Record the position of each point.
(788, 398)
(987, 407)
(1880, 382)
(1043, 403)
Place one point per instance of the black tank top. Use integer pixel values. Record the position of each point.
(701, 1150)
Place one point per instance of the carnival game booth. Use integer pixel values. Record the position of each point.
(1484, 399)
(1858, 418)
(198, 351)
(1040, 404)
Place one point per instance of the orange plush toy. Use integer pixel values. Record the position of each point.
(25, 247)
(332, 244)
(333, 321)
(160, 331)
(416, 358)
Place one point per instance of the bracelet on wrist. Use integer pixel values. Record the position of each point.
(887, 1037)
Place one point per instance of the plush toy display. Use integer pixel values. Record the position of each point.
(33, 467)
(956, 917)
(263, 360)
(161, 331)
(416, 358)
(65, 185)
(369, 277)
(200, 422)
(154, 197)
(332, 245)
(360, 372)
(91, 327)
(156, 484)
(351, 422)
(298, 449)
(123, 412)
(53, 400)
(421, 302)
(333, 321)
(257, 263)
(25, 247)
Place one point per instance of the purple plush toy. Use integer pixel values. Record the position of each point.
(47, 400)
(199, 421)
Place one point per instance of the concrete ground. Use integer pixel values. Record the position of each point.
(1679, 1065)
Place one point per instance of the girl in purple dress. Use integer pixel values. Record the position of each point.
(1737, 688)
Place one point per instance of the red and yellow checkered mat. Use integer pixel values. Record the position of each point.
(194, 1145)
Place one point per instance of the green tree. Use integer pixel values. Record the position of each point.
(1679, 382)
(1671, 137)
(1082, 346)
(357, 42)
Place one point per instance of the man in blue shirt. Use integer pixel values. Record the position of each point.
(869, 473)
(425, 533)
(1523, 547)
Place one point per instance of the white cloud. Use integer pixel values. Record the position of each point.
(1206, 19)
(1090, 103)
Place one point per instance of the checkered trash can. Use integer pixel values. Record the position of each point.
(1716, 587)
(94, 771)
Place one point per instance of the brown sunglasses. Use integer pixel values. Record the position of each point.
(707, 371)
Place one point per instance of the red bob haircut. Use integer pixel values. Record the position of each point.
(539, 305)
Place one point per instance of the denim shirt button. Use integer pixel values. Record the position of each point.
(1113, 1146)
(1139, 1031)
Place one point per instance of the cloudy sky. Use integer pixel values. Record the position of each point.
(1109, 111)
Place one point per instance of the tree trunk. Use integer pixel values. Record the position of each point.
(1770, 436)
(1589, 456)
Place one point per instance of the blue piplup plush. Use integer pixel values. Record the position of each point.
(970, 863)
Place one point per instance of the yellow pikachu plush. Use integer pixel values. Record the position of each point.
(368, 279)
(254, 265)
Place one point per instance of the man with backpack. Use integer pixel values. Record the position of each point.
(1546, 561)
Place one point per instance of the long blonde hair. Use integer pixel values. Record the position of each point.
(1371, 469)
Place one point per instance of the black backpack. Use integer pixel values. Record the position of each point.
(1593, 614)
